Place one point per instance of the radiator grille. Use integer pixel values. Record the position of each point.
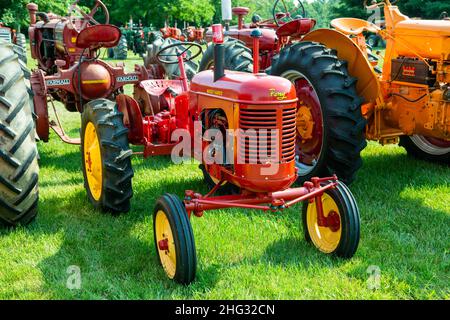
(259, 142)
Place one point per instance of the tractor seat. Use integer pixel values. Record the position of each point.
(408, 26)
(353, 26)
(159, 87)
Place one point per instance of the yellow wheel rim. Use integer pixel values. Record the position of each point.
(166, 244)
(324, 238)
(93, 161)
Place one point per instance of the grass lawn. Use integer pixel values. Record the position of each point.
(405, 211)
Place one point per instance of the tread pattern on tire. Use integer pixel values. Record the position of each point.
(116, 155)
(19, 170)
(21, 47)
(344, 125)
(237, 56)
(121, 50)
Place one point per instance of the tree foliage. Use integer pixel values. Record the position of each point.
(204, 12)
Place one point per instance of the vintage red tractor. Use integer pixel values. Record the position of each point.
(257, 112)
(330, 127)
(69, 68)
(344, 98)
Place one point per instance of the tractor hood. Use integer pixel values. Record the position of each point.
(246, 88)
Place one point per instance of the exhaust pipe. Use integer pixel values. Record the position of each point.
(32, 9)
(227, 14)
(219, 52)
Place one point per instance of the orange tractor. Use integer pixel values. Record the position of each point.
(409, 101)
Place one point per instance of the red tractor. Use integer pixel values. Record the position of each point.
(188, 119)
(329, 123)
(69, 68)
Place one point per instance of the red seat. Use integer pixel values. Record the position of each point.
(159, 87)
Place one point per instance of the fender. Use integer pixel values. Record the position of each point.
(358, 66)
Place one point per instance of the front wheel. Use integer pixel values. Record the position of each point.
(426, 148)
(340, 234)
(174, 239)
(106, 157)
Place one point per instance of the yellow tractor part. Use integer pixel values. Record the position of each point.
(93, 158)
(324, 238)
(166, 244)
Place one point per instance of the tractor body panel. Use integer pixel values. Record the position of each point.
(261, 110)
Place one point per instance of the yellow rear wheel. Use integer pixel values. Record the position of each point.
(174, 239)
(340, 233)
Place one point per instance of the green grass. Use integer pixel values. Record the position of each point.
(242, 254)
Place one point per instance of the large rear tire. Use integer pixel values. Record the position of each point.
(19, 170)
(121, 51)
(106, 157)
(330, 126)
(21, 43)
(172, 70)
(428, 149)
(237, 57)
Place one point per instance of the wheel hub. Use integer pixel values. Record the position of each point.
(305, 122)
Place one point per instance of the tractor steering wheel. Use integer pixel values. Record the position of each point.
(87, 18)
(287, 14)
(183, 48)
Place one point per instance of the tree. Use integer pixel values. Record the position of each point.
(13, 13)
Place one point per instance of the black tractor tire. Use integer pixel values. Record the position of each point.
(183, 237)
(420, 148)
(110, 52)
(19, 169)
(172, 70)
(343, 124)
(373, 40)
(117, 172)
(238, 57)
(121, 51)
(21, 43)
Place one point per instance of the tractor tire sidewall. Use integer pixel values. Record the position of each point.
(21, 44)
(238, 57)
(350, 221)
(110, 53)
(413, 150)
(117, 172)
(183, 234)
(19, 169)
(343, 123)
